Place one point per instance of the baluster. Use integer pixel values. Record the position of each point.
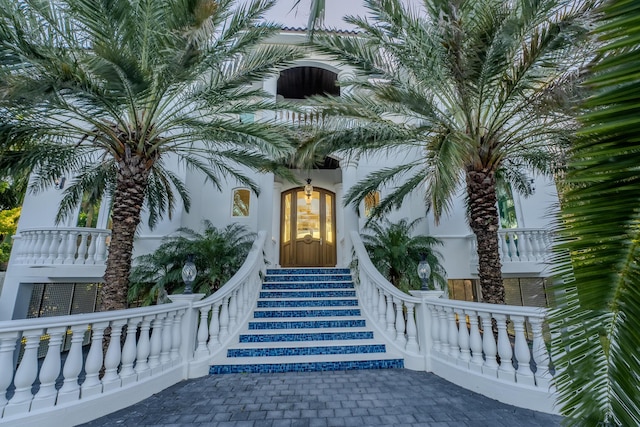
(62, 248)
(506, 370)
(214, 328)
(400, 325)
(524, 245)
(444, 327)
(92, 385)
(43, 246)
(8, 342)
(72, 245)
(177, 337)
(101, 248)
(111, 380)
(233, 310)
(91, 252)
(513, 250)
(540, 354)
(143, 350)
(504, 247)
(25, 375)
(373, 299)
(412, 331)
(167, 333)
(454, 349)
(382, 308)
(127, 374)
(82, 248)
(522, 352)
(156, 344)
(46, 396)
(203, 333)
(52, 249)
(224, 320)
(489, 346)
(391, 315)
(475, 342)
(463, 340)
(243, 302)
(70, 390)
(435, 328)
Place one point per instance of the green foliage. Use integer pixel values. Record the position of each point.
(462, 89)
(597, 318)
(217, 254)
(8, 226)
(396, 254)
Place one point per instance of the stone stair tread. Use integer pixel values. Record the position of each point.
(304, 319)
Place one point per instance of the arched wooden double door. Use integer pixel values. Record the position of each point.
(308, 229)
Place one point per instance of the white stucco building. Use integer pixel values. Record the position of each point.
(53, 268)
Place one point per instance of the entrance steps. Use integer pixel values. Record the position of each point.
(306, 319)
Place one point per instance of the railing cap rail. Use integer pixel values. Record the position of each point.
(78, 319)
(514, 310)
(97, 230)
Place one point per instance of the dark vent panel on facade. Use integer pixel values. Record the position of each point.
(303, 82)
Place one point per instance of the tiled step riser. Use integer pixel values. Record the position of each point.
(322, 336)
(308, 294)
(306, 367)
(307, 271)
(306, 285)
(308, 278)
(304, 313)
(318, 324)
(305, 351)
(307, 303)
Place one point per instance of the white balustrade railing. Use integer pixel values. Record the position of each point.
(63, 245)
(148, 349)
(223, 313)
(498, 350)
(519, 245)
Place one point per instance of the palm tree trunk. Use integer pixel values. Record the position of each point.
(483, 219)
(127, 204)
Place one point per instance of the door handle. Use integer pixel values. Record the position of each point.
(321, 241)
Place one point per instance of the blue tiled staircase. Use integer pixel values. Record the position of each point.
(306, 319)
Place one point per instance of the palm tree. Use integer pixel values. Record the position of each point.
(474, 90)
(597, 291)
(218, 254)
(396, 253)
(113, 89)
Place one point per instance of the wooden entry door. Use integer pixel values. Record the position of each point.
(308, 230)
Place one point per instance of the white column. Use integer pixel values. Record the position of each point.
(340, 231)
(265, 211)
(350, 217)
(273, 240)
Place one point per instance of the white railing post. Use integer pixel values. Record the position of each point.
(82, 248)
(70, 390)
(111, 380)
(233, 310)
(523, 355)
(506, 370)
(412, 342)
(475, 342)
(92, 384)
(463, 340)
(214, 328)
(46, 396)
(167, 334)
(8, 343)
(144, 349)
(400, 325)
(540, 354)
(203, 332)
(127, 374)
(489, 346)
(224, 320)
(176, 338)
(454, 349)
(391, 315)
(156, 343)
(25, 374)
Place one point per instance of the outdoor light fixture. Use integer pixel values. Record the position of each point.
(59, 182)
(308, 190)
(424, 272)
(189, 273)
